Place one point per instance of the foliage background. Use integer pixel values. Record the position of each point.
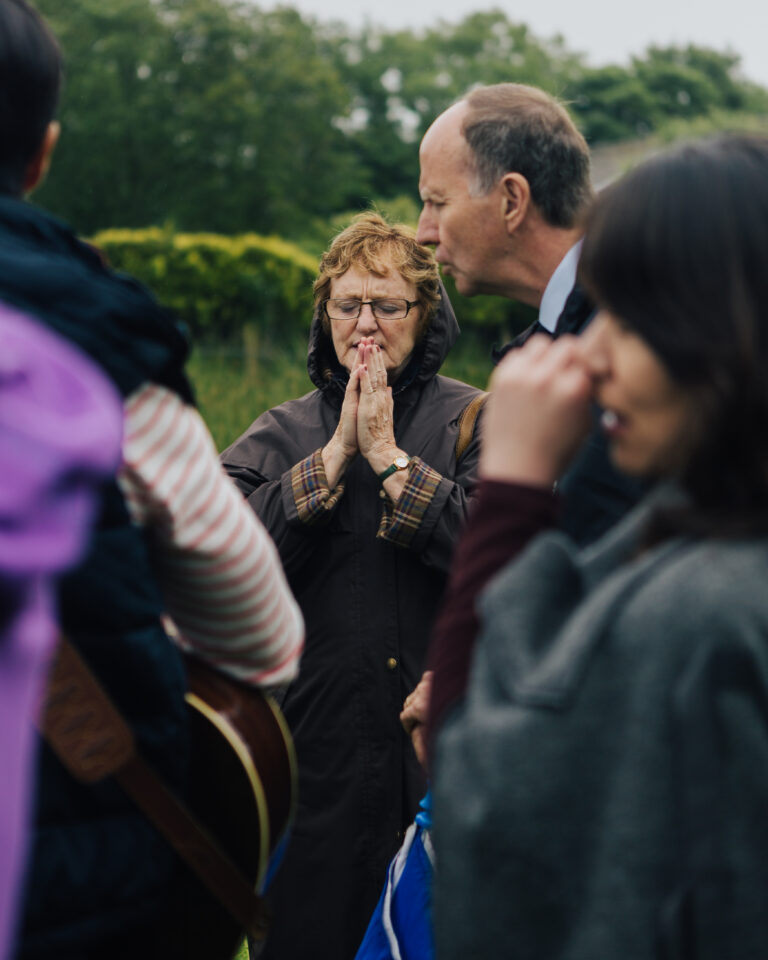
(213, 148)
(217, 116)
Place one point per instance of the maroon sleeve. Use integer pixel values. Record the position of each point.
(506, 517)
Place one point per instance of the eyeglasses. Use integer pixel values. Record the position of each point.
(387, 309)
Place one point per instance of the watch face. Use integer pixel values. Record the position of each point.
(401, 462)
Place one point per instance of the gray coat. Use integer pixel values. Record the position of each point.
(602, 794)
(368, 607)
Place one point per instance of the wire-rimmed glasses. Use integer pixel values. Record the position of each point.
(385, 308)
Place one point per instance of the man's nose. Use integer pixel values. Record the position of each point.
(426, 229)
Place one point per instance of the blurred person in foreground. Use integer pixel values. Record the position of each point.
(359, 484)
(601, 790)
(60, 432)
(173, 536)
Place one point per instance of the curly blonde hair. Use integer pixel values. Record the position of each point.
(373, 244)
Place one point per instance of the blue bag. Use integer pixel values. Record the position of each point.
(401, 925)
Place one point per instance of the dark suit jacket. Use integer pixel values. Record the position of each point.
(595, 495)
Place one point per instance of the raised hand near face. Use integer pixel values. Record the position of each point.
(375, 424)
(343, 447)
(538, 413)
(375, 420)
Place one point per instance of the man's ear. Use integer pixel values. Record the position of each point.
(515, 200)
(38, 165)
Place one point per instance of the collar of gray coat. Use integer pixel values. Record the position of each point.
(622, 541)
(556, 589)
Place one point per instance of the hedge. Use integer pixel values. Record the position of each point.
(223, 287)
(218, 285)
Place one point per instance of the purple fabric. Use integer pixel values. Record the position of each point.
(60, 434)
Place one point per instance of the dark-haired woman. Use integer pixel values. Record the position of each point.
(602, 789)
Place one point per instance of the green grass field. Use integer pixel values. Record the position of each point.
(233, 389)
(235, 385)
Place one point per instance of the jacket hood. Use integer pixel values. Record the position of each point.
(427, 358)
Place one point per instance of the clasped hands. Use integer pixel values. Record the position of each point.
(366, 423)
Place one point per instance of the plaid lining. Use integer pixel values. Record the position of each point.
(314, 501)
(400, 521)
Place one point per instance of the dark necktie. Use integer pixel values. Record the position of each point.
(577, 312)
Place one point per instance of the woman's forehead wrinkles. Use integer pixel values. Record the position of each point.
(374, 288)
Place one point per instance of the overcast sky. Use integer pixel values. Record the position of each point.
(608, 32)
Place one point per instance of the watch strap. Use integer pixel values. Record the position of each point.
(393, 468)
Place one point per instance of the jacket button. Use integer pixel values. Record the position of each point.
(391, 663)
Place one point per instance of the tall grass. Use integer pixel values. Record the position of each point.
(234, 385)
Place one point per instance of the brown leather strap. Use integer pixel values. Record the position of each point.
(92, 740)
(195, 846)
(80, 722)
(467, 420)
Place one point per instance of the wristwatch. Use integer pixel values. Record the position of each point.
(399, 463)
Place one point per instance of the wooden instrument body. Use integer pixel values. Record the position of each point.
(242, 787)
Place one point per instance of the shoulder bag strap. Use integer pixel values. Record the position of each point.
(467, 419)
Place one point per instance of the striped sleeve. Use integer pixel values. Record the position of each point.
(221, 576)
(401, 520)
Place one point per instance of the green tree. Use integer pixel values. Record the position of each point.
(679, 87)
(112, 141)
(204, 113)
(610, 103)
(217, 115)
(665, 84)
(400, 81)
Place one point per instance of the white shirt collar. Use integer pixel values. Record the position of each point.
(560, 285)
